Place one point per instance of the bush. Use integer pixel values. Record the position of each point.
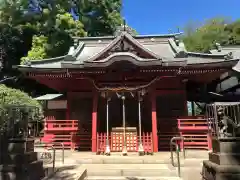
(14, 98)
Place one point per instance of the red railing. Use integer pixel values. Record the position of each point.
(196, 132)
(58, 139)
(60, 132)
(60, 125)
(192, 124)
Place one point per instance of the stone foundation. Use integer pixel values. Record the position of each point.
(19, 161)
(224, 161)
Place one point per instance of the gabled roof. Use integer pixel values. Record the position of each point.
(124, 39)
(147, 50)
(233, 50)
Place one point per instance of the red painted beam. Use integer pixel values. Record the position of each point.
(167, 91)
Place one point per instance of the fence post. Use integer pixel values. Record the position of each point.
(54, 156)
(62, 153)
(178, 160)
(209, 142)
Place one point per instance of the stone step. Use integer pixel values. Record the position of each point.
(123, 161)
(149, 170)
(131, 170)
(134, 172)
(188, 173)
(126, 166)
(184, 162)
(191, 162)
(128, 178)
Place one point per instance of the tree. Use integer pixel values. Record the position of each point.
(234, 32)
(58, 21)
(9, 96)
(100, 17)
(205, 37)
(14, 43)
(55, 43)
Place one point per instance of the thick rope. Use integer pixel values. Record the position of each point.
(126, 88)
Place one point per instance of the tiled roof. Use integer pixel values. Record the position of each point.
(158, 49)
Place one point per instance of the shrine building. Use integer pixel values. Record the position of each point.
(126, 84)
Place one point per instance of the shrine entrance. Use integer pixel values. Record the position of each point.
(115, 122)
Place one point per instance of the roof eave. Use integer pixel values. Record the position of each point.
(137, 36)
(205, 55)
(217, 64)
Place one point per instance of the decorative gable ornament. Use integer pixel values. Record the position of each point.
(123, 46)
(124, 28)
(228, 56)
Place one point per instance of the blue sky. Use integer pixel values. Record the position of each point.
(160, 16)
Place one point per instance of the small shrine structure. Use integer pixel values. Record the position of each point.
(133, 89)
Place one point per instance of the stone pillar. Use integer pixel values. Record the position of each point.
(19, 161)
(154, 123)
(94, 123)
(224, 160)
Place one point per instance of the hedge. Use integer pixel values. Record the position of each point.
(10, 97)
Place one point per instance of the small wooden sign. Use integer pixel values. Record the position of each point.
(46, 157)
(60, 104)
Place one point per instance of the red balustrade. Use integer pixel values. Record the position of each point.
(196, 132)
(58, 132)
(192, 124)
(61, 125)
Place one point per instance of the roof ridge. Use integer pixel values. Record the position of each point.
(47, 60)
(136, 36)
(177, 49)
(118, 39)
(198, 54)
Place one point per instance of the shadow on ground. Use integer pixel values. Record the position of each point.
(62, 173)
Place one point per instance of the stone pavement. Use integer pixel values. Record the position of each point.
(116, 166)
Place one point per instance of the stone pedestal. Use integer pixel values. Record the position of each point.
(19, 161)
(224, 160)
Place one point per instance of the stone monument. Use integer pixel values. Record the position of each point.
(18, 159)
(224, 160)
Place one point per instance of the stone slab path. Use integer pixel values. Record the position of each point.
(74, 162)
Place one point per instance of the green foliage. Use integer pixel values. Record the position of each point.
(234, 30)
(54, 26)
(58, 26)
(205, 37)
(57, 42)
(11, 11)
(100, 18)
(38, 50)
(14, 42)
(9, 96)
(214, 31)
(66, 23)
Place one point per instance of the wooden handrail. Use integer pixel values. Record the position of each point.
(193, 123)
(59, 120)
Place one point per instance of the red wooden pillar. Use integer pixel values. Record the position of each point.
(154, 123)
(68, 108)
(94, 123)
(185, 103)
